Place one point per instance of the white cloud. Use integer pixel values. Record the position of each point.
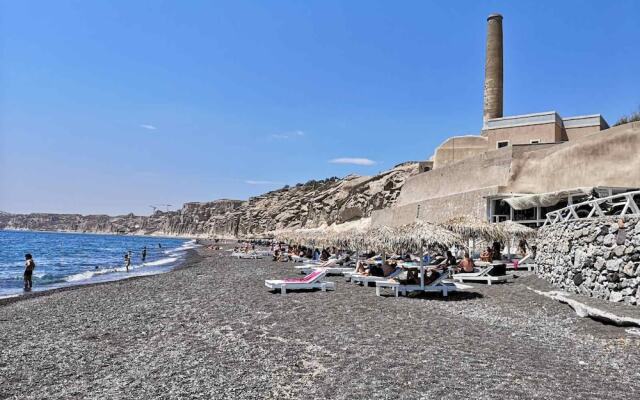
(252, 182)
(149, 127)
(287, 135)
(352, 161)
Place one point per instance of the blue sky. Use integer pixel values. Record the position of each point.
(112, 106)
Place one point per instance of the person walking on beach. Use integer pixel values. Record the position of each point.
(144, 253)
(127, 261)
(29, 266)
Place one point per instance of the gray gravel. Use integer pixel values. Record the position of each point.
(213, 330)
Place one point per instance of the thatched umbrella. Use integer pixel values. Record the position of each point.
(303, 236)
(474, 228)
(420, 235)
(515, 230)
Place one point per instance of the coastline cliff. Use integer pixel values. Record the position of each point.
(304, 205)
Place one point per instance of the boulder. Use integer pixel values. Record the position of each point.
(614, 265)
(615, 297)
(609, 240)
(629, 269)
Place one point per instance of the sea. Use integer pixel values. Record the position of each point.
(67, 259)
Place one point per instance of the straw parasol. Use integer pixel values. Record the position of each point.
(474, 228)
(421, 235)
(513, 230)
(516, 230)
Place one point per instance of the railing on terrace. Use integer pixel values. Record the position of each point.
(623, 204)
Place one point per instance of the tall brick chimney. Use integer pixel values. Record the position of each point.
(493, 69)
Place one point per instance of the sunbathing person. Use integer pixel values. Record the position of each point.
(487, 255)
(466, 265)
(388, 268)
(362, 266)
(449, 261)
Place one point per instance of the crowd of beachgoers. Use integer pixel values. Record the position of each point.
(401, 272)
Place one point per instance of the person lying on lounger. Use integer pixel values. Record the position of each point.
(466, 265)
(362, 266)
(383, 270)
(412, 276)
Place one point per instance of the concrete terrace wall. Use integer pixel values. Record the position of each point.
(592, 258)
(482, 171)
(440, 209)
(608, 158)
(458, 148)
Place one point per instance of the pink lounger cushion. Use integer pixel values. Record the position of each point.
(307, 279)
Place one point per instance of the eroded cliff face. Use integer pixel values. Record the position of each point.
(305, 205)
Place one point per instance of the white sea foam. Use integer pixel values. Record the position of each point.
(80, 276)
(161, 261)
(134, 267)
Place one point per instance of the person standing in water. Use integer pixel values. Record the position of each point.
(127, 261)
(144, 253)
(29, 266)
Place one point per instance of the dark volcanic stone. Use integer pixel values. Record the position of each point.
(578, 279)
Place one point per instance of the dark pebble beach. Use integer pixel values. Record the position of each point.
(212, 330)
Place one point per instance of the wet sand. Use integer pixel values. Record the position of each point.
(212, 330)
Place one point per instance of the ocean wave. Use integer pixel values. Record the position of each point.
(191, 244)
(161, 261)
(85, 275)
(80, 276)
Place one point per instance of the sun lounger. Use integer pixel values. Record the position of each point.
(331, 266)
(437, 286)
(315, 280)
(296, 258)
(485, 274)
(252, 256)
(525, 262)
(365, 280)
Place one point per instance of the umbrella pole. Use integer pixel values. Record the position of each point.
(422, 268)
(473, 244)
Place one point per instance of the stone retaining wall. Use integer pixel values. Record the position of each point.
(592, 257)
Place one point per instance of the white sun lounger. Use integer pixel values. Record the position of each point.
(314, 280)
(331, 266)
(481, 276)
(296, 258)
(252, 256)
(525, 262)
(366, 279)
(437, 286)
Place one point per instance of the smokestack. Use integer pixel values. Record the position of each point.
(493, 69)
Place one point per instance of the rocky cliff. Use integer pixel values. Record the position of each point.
(304, 205)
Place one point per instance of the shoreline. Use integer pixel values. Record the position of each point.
(191, 258)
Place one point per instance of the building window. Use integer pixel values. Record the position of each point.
(502, 143)
(534, 141)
